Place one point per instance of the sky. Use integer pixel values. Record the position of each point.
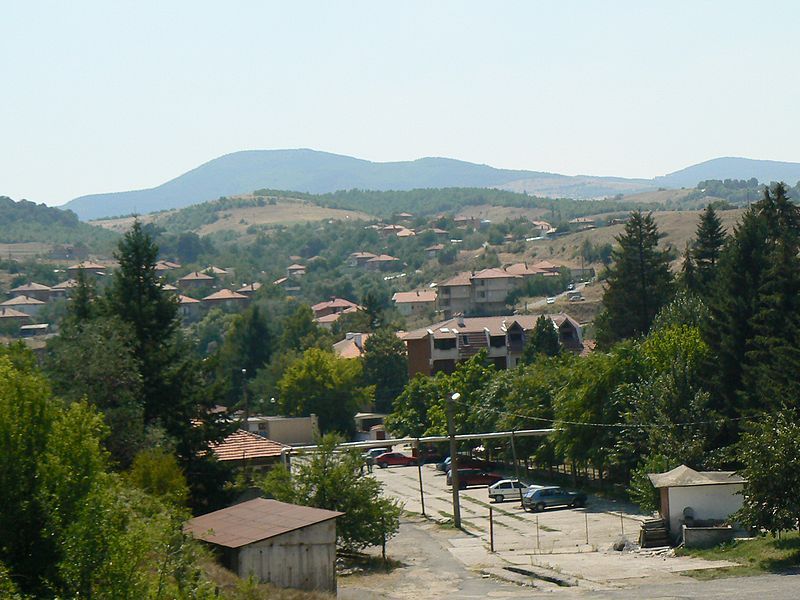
(99, 96)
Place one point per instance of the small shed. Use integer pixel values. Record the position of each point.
(284, 544)
(694, 497)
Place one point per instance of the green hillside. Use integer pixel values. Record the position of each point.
(25, 221)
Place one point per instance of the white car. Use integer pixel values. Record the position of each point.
(551, 300)
(507, 489)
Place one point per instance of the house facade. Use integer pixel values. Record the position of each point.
(418, 302)
(441, 346)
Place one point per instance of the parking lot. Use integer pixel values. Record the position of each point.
(554, 530)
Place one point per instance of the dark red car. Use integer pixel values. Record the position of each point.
(470, 477)
(389, 459)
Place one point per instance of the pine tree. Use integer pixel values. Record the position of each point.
(639, 282)
(542, 340)
(733, 304)
(774, 361)
(137, 297)
(689, 276)
(709, 240)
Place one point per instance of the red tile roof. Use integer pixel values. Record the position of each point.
(21, 301)
(187, 300)
(196, 276)
(253, 521)
(31, 286)
(417, 296)
(334, 303)
(10, 313)
(224, 295)
(243, 445)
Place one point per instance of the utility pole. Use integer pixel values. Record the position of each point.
(453, 460)
(246, 401)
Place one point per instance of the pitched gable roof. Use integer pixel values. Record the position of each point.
(196, 276)
(253, 521)
(245, 445)
(21, 301)
(225, 295)
(684, 476)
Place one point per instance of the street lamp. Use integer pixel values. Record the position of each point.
(453, 460)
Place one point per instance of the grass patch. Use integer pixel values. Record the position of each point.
(763, 554)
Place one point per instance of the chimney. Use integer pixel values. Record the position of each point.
(417, 292)
(461, 320)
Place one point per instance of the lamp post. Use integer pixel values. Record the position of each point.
(246, 402)
(453, 460)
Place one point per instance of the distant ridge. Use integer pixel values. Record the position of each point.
(766, 171)
(304, 170)
(317, 172)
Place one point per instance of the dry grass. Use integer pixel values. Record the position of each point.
(123, 224)
(678, 227)
(284, 212)
(501, 213)
(24, 250)
(233, 587)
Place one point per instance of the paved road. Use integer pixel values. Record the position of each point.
(774, 587)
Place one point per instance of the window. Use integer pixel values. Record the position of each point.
(497, 341)
(482, 294)
(464, 340)
(444, 344)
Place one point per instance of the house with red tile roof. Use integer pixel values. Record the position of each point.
(246, 449)
(195, 280)
(416, 302)
(227, 298)
(442, 345)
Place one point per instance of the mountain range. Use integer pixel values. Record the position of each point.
(305, 170)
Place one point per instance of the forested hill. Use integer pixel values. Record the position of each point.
(765, 171)
(321, 172)
(25, 221)
(309, 171)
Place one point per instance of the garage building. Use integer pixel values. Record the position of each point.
(284, 544)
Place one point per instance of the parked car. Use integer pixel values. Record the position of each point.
(506, 489)
(388, 459)
(551, 300)
(471, 477)
(538, 498)
(374, 452)
(464, 461)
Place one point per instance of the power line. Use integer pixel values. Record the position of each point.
(556, 422)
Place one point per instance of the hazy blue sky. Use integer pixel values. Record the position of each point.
(109, 96)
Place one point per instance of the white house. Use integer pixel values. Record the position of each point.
(693, 497)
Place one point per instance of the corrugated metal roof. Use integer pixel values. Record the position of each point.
(253, 521)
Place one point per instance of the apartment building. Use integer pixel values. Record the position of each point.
(441, 346)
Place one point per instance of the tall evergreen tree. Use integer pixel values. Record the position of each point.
(248, 345)
(732, 305)
(137, 297)
(543, 340)
(639, 282)
(709, 240)
(385, 367)
(774, 361)
(689, 270)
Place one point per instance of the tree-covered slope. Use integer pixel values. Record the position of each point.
(25, 221)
